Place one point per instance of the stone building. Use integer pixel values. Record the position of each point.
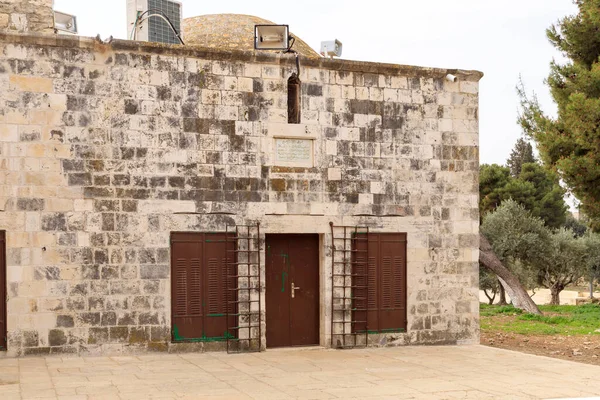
(157, 197)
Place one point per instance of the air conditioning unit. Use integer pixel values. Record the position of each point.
(148, 20)
(65, 24)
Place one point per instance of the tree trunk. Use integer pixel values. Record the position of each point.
(591, 286)
(490, 298)
(555, 293)
(520, 297)
(502, 300)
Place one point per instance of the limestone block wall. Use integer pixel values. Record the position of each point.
(20, 16)
(108, 148)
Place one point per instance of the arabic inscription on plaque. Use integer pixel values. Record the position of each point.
(294, 152)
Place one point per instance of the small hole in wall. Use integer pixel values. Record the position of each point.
(294, 99)
(44, 248)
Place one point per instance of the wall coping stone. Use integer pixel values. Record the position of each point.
(96, 44)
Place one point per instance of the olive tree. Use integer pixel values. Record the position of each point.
(592, 245)
(563, 263)
(509, 235)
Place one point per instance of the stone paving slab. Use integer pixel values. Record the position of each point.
(448, 372)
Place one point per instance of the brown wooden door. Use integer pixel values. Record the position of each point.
(199, 288)
(3, 327)
(292, 315)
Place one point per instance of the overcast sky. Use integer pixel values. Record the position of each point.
(500, 38)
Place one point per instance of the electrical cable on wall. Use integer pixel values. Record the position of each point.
(289, 50)
(155, 13)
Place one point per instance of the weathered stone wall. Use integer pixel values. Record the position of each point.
(106, 149)
(20, 16)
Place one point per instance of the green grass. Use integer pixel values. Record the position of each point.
(557, 320)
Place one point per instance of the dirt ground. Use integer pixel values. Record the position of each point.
(580, 348)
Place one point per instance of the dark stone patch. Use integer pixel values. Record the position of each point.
(177, 182)
(77, 103)
(64, 321)
(163, 255)
(106, 205)
(445, 214)
(72, 165)
(98, 336)
(121, 59)
(257, 85)
(96, 303)
(108, 318)
(75, 304)
(127, 153)
(127, 319)
(101, 180)
(124, 287)
(80, 179)
(31, 136)
(110, 272)
(67, 239)
(88, 319)
(90, 272)
(36, 351)
(129, 205)
(121, 180)
(139, 335)
(30, 204)
(57, 337)
(108, 221)
(154, 271)
(137, 194)
(167, 194)
(100, 256)
(414, 83)
(119, 334)
(95, 74)
(131, 106)
(157, 181)
(79, 289)
(54, 222)
(313, 89)
(159, 333)
(149, 319)
(141, 302)
(151, 287)
(278, 185)
(46, 273)
(30, 339)
(147, 256)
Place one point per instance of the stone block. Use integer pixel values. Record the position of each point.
(334, 174)
(4, 18)
(57, 337)
(30, 84)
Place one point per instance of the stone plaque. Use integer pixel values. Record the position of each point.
(294, 152)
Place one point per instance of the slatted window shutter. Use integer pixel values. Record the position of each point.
(180, 290)
(199, 285)
(399, 280)
(3, 338)
(195, 287)
(386, 281)
(214, 288)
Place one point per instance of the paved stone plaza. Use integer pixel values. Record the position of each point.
(449, 372)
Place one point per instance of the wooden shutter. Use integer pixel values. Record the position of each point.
(186, 285)
(386, 289)
(216, 255)
(199, 287)
(3, 327)
(392, 276)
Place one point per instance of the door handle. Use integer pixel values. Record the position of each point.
(294, 288)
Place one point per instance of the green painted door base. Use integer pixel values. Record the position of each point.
(204, 338)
